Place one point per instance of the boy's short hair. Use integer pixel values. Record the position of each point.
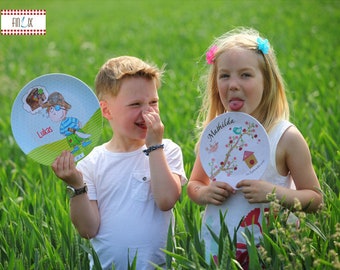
(110, 75)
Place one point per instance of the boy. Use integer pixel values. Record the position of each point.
(133, 180)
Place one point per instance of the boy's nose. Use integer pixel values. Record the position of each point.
(147, 108)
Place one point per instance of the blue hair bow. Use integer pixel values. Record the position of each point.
(263, 45)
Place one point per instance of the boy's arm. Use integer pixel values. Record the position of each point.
(165, 185)
(84, 213)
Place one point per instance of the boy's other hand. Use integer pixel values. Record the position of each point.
(155, 127)
(64, 167)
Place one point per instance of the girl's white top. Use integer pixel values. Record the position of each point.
(237, 207)
(131, 223)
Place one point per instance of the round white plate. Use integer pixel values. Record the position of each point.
(56, 112)
(234, 146)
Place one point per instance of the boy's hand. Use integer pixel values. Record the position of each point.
(155, 127)
(64, 168)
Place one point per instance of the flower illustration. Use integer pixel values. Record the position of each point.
(228, 164)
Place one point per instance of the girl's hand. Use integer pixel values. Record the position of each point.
(155, 127)
(216, 192)
(64, 168)
(255, 191)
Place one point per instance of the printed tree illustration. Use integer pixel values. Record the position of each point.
(236, 142)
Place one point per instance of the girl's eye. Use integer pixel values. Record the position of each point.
(246, 75)
(223, 75)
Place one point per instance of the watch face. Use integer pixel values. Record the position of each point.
(73, 192)
(70, 190)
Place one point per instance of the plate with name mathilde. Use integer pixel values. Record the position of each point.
(56, 112)
(234, 147)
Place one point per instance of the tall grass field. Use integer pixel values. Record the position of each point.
(35, 227)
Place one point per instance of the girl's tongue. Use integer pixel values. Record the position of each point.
(236, 105)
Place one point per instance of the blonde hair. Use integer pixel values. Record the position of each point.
(110, 75)
(273, 106)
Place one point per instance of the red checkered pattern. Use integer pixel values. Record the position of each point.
(23, 32)
(6, 29)
(23, 12)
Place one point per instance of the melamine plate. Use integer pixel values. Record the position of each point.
(234, 146)
(56, 112)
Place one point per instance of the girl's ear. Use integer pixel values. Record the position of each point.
(106, 112)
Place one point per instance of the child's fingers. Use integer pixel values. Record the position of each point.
(151, 118)
(63, 164)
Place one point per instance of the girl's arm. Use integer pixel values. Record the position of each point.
(299, 162)
(203, 191)
(293, 156)
(84, 213)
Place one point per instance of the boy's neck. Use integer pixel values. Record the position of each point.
(122, 146)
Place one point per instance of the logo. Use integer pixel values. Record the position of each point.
(23, 22)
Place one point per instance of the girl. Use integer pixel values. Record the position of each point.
(244, 77)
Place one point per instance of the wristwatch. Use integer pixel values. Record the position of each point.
(74, 192)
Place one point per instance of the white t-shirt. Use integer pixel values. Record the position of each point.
(131, 223)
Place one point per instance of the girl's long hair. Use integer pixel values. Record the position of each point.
(273, 106)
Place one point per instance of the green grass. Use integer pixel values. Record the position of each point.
(35, 228)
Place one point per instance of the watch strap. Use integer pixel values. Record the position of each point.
(77, 191)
